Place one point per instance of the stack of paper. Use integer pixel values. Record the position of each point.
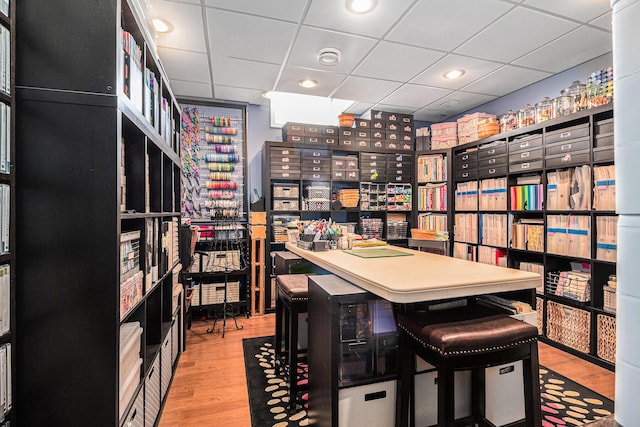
(428, 221)
(432, 197)
(493, 229)
(604, 191)
(432, 168)
(528, 195)
(466, 228)
(467, 196)
(569, 189)
(527, 234)
(607, 238)
(493, 194)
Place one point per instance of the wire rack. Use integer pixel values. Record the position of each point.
(213, 158)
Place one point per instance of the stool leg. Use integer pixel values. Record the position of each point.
(531, 372)
(293, 355)
(279, 314)
(477, 391)
(403, 389)
(446, 394)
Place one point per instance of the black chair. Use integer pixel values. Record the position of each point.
(469, 338)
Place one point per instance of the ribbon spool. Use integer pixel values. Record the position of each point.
(220, 176)
(218, 139)
(224, 185)
(225, 148)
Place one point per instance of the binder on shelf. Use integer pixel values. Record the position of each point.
(5, 60)
(4, 7)
(527, 234)
(132, 69)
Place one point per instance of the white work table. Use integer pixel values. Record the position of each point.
(420, 277)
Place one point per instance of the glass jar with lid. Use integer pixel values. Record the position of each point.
(563, 105)
(508, 121)
(544, 110)
(526, 116)
(577, 91)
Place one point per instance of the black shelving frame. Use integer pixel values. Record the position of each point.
(74, 119)
(600, 270)
(351, 215)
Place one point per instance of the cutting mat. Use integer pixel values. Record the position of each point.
(376, 253)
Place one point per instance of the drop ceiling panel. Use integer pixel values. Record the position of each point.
(359, 108)
(429, 115)
(183, 89)
(243, 36)
(415, 96)
(290, 10)
(246, 74)
(515, 34)
(459, 101)
(569, 50)
(327, 82)
(394, 108)
(445, 24)
(250, 96)
(334, 15)
(580, 10)
(365, 89)
(474, 69)
(311, 40)
(184, 65)
(506, 80)
(603, 22)
(187, 23)
(399, 62)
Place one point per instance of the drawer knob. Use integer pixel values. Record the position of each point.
(465, 157)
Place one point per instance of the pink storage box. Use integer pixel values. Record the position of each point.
(439, 143)
(446, 129)
(469, 124)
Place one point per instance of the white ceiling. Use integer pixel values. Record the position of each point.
(393, 58)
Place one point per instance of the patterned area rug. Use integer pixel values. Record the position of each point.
(564, 402)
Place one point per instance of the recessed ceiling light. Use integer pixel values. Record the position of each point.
(308, 83)
(453, 74)
(361, 6)
(329, 56)
(267, 94)
(161, 26)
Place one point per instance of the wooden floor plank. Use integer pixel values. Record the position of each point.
(209, 388)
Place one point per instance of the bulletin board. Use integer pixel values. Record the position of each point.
(213, 150)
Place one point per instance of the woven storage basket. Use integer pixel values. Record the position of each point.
(569, 326)
(606, 348)
(540, 311)
(349, 198)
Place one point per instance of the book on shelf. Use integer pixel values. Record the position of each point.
(527, 234)
(431, 221)
(132, 69)
(432, 168)
(151, 88)
(5, 299)
(5, 138)
(432, 197)
(465, 251)
(492, 256)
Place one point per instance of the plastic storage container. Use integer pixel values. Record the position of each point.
(544, 110)
(563, 105)
(578, 92)
(508, 121)
(526, 116)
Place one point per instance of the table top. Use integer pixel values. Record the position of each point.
(420, 277)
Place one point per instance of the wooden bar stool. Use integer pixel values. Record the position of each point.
(471, 338)
(292, 299)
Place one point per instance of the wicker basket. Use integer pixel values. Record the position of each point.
(609, 298)
(606, 348)
(569, 326)
(349, 197)
(540, 311)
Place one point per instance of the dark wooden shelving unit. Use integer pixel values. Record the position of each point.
(95, 167)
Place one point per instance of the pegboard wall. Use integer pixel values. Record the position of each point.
(213, 153)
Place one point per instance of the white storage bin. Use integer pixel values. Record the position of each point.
(128, 388)
(426, 392)
(135, 416)
(165, 363)
(504, 394)
(152, 393)
(129, 348)
(367, 405)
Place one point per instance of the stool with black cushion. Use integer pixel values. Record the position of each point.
(292, 299)
(470, 338)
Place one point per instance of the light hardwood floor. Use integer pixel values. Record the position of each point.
(209, 388)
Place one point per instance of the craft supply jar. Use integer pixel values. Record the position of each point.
(508, 121)
(544, 110)
(563, 105)
(526, 116)
(578, 92)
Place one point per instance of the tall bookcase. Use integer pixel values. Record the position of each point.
(98, 199)
(510, 180)
(7, 213)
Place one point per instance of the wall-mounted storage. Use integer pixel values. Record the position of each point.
(102, 165)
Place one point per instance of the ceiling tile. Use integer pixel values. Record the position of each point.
(506, 80)
(365, 89)
(445, 24)
(459, 102)
(429, 115)
(327, 82)
(474, 69)
(188, 27)
(242, 36)
(394, 108)
(184, 65)
(183, 89)
(311, 40)
(359, 108)
(246, 74)
(289, 10)
(416, 96)
(580, 10)
(603, 22)
(572, 49)
(227, 93)
(515, 34)
(334, 15)
(399, 62)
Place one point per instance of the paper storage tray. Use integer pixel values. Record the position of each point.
(569, 326)
(128, 386)
(290, 191)
(567, 134)
(525, 143)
